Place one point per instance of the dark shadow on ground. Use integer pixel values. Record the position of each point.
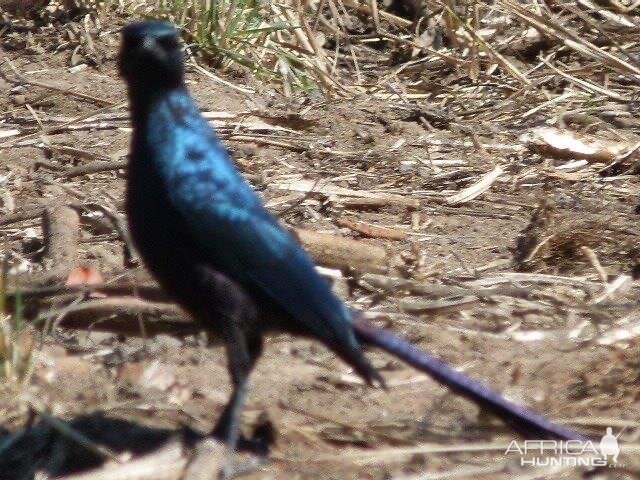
(42, 447)
(58, 447)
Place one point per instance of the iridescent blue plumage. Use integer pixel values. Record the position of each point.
(237, 236)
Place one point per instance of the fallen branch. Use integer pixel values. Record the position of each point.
(95, 167)
(328, 250)
(340, 252)
(126, 315)
(61, 232)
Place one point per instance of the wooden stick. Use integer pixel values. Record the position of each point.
(95, 167)
(166, 463)
(335, 251)
(373, 231)
(61, 226)
(206, 460)
(61, 231)
(124, 315)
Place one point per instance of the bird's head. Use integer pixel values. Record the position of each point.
(150, 55)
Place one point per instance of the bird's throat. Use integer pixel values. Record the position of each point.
(143, 99)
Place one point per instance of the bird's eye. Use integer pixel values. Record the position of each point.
(168, 43)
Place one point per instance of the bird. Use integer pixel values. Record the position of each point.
(206, 236)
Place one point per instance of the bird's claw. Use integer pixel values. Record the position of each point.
(230, 470)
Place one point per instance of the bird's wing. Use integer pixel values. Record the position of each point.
(244, 241)
(227, 220)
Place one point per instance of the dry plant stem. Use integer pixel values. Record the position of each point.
(334, 190)
(596, 25)
(398, 21)
(264, 141)
(143, 287)
(56, 128)
(593, 259)
(438, 307)
(76, 152)
(364, 203)
(373, 231)
(508, 66)
(299, 201)
(571, 39)
(383, 283)
(166, 463)
(584, 84)
(207, 73)
(477, 188)
(308, 40)
(131, 254)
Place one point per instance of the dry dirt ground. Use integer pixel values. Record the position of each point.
(554, 343)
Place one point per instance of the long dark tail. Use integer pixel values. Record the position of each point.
(525, 421)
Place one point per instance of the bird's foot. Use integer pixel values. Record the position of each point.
(231, 470)
(257, 445)
(211, 458)
(262, 437)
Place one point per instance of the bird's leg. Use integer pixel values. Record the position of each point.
(230, 313)
(228, 429)
(239, 367)
(223, 427)
(241, 360)
(232, 427)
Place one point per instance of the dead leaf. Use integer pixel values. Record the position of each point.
(84, 275)
(565, 144)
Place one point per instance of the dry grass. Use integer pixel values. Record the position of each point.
(17, 345)
(571, 56)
